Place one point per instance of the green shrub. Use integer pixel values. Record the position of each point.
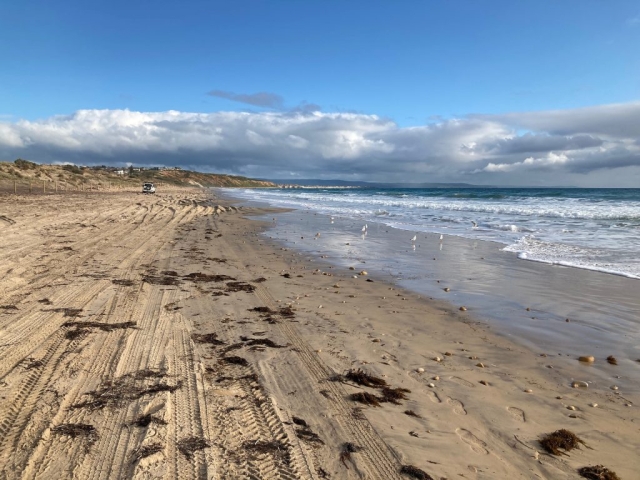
(25, 164)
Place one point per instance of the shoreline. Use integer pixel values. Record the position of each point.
(168, 262)
(573, 311)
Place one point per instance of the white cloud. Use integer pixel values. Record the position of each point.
(564, 144)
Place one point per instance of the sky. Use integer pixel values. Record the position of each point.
(486, 92)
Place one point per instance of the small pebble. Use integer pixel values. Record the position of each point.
(351, 268)
(364, 272)
(431, 385)
(614, 387)
(571, 407)
(420, 370)
(612, 360)
(318, 351)
(528, 390)
(580, 385)
(376, 340)
(447, 289)
(448, 354)
(484, 382)
(437, 359)
(481, 365)
(587, 359)
(594, 405)
(463, 309)
(436, 378)
(573, 415)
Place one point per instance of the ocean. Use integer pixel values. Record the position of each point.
(596, 229)
(555, 269)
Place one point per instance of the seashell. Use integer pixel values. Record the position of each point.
(463, 309)
(420, 370)
(336, 286)
(355, 276)
(484, 382)
(431, 385)
(364, 272)
(613, 387)
(587, 359)
(481, 365)
(612, 360)
(437, 359)
(319, 306)
(528, 390)
(319, 351)
(580, 385)
(436, 378)
(447, 289)
(376, 340)
(573, 415)
(594, 405)
(448, 354)
(351, 268)
(571, 407)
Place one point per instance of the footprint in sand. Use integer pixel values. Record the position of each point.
(517, 414)
(433, 396)
(462, 381)
(458, 406)
(474, 442)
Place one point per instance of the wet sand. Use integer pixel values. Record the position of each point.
(225, 350)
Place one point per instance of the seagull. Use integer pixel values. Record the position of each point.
(441, 237)
(414, 238)
(364, 229)
(475, 224)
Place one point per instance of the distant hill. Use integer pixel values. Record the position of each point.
(345, 183)
(72, 176)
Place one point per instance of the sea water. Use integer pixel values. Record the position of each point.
(555, 269)
(597, 229)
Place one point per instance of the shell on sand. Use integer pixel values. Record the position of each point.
(463, 309)
(420, 370)
(580, 385)
(587, 359)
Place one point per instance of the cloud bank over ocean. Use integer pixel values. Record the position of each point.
(581, 146)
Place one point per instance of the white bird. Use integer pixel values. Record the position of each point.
(414, 238)
(331, 219)
(364, 229)
(441, 237)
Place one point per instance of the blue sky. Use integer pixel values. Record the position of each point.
(413, 63)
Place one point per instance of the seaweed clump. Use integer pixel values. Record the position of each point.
(366, 398)
(560, 439)
(209, 338)
(188, 446)
(145, 451)
(277, 449)
(74, 430)
(598, 472)
(393, 395)
(415, 472)
(362, 378)
(347, 449)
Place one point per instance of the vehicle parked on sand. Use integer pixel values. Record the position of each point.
(148, 188)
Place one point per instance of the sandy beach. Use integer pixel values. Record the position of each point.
(164, 337)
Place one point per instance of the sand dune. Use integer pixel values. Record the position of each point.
(162, 337)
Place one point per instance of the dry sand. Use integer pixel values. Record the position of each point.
(116, 362)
